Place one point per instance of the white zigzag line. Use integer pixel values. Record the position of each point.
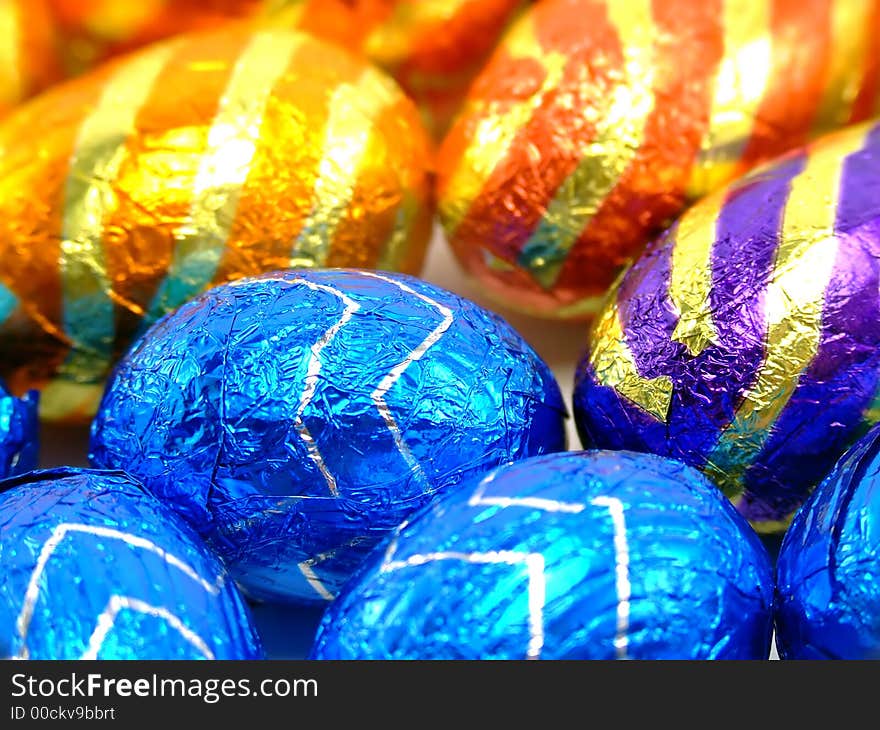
(117, 604)
(537, 588)
(306, 568)
(547, 505)
(621, 560)
(312, 375)
(394, 374)
(32, 592)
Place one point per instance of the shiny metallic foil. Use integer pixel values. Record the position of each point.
(200, 160)
(433, 48)
(746, 341)
(296, 418)
(19, 433)
(596, 122)
(29, 56)
(95, 568)
(93, 31)
(584, 555)
(828, 598)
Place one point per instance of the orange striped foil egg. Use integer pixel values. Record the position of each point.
(596, 122)
(198, 160)
(94, 30)
(29, 60)
(433, 48)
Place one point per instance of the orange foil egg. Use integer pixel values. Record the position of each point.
(596, 122)
(434, 48)
(195, 161)
(94, 30)
(28, 55)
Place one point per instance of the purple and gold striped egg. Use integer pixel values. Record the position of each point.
(746, 340)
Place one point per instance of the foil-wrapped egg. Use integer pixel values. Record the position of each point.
(94, 567)
(746, 341)
(596, 122)
(19, 432)
(296, 418)
(199, 160)
(29, 60)
(828, 595)
(433, 49)
(581, 555)
(92, 31)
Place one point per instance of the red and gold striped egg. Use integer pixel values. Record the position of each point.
(198, 160)
(596, 122)
(29, 60)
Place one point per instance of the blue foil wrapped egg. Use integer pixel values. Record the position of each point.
(296, 418)
(94, 567)
(19, 431)
(828, 585)
(581, 555)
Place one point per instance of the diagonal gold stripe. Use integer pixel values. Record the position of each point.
(850, 44)
(233, 139)
(94, 165)
(739, 88)
(690, 281)
(10, 53)
(615, 367)
(620, 132)
(346, 143)
(494, 133)
(793, 306)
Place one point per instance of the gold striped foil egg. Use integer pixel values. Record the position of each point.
(433, 48)
(198, 160)
(597, 122)
(29, 60)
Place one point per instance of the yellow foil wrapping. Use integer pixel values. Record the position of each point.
(202, 159)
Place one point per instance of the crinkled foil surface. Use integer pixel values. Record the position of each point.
(582, 555)
(95, 568)
(296, 418)
(596, 122)
(746, 342)
(828, 598)
(19, 433)
(207, 158)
